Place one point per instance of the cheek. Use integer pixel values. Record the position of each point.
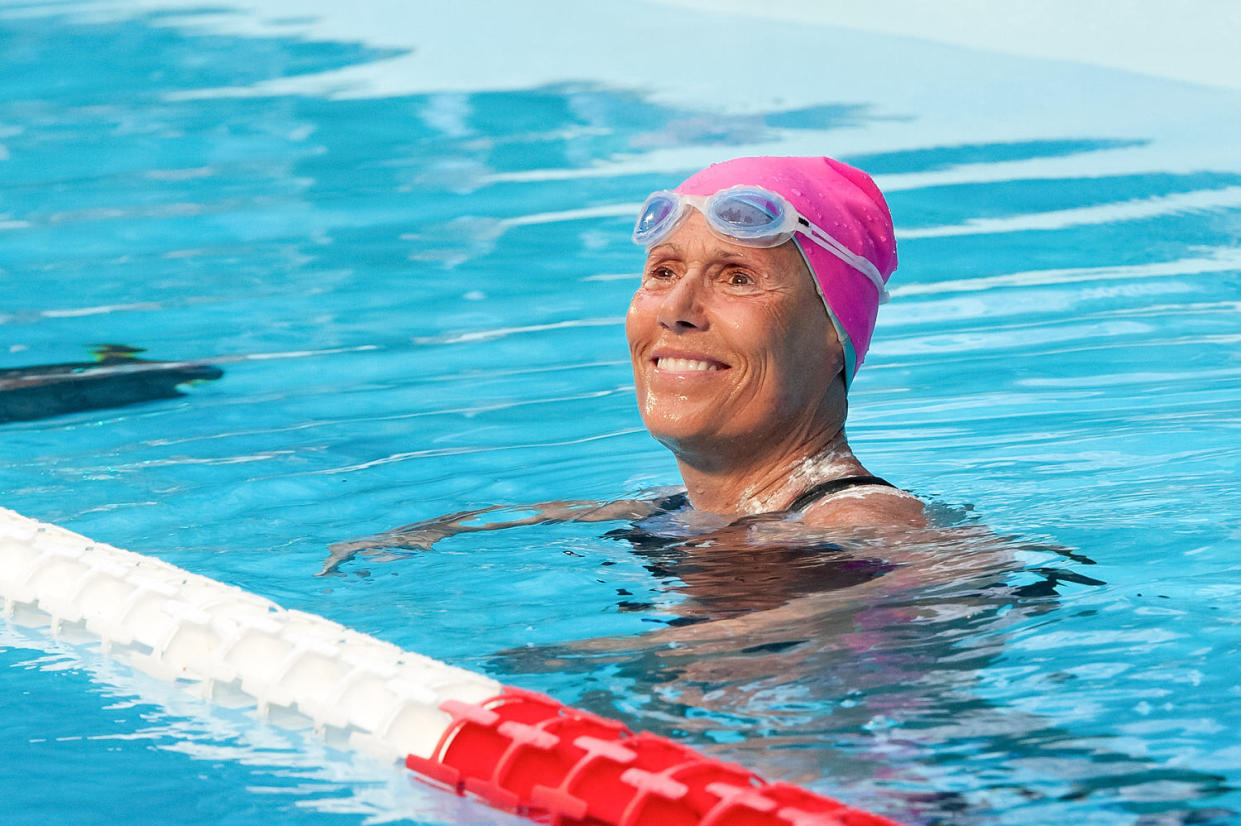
(639, 320)
(787, 349)
(810, 355)
(764, 333)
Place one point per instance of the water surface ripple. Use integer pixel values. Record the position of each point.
(417, 297)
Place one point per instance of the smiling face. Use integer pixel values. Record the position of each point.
(733, 353)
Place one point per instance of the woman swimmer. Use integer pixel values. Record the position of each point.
(763, 278)
(806, 583)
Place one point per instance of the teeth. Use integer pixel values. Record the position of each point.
(684, 365)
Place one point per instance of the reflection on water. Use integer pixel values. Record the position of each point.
(891, 689)
(417, 299)
(82, 711)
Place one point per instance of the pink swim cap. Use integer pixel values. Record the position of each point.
(845, 203)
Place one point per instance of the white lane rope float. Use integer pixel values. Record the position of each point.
(514, 749)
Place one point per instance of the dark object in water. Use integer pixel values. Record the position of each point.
(115, 378)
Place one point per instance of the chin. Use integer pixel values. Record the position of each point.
(680, 423)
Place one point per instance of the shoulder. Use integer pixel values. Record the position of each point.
(872, 506)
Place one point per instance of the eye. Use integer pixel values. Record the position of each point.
(740, 278)
(659, 272)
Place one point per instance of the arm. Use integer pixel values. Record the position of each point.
(422, 535)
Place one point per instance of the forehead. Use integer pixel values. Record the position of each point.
(694, 240)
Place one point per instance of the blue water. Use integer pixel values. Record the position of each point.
(413, 319)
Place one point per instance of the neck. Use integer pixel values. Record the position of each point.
(769, 481)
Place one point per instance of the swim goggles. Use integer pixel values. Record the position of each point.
(747, 215)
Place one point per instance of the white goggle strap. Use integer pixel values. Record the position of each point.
(859, 263)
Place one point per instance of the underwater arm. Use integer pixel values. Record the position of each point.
(423, 535)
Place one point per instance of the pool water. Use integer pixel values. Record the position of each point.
(410, 257)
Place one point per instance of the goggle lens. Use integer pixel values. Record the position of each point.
(658, 216)
(747, 215)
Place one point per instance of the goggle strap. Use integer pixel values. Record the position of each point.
(858, 262)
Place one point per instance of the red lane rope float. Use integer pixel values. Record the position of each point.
(526, 753)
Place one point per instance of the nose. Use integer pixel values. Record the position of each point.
(682, 309)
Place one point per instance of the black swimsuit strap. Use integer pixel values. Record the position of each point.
(676, 501)
(834, 486)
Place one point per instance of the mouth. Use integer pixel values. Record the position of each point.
(687, 364)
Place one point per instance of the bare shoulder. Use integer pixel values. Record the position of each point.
(869, 507)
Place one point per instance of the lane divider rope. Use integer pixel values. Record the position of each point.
(517, 750)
